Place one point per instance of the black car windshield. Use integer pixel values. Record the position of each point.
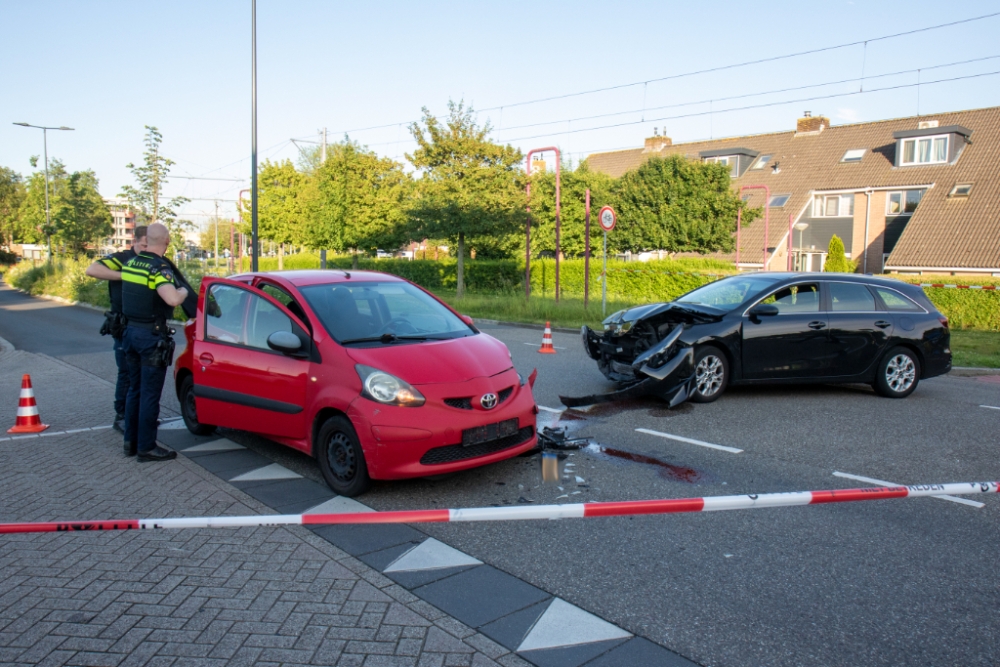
(365, 312)
(729, 293)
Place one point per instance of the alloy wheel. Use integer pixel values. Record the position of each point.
(900, 373)
(340, 456)
(709, 375)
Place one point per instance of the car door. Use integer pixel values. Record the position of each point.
(791, 344)
(859, 329)
(239, 382)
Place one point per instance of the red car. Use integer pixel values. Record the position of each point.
(367, 372)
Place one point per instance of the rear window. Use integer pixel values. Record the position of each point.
(895, 301)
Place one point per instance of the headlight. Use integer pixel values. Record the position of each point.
(623, 328)
(610, 321)
(389, 389)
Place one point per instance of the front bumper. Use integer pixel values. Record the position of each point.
(416, 442)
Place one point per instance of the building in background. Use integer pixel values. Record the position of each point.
(909, 195)
(122, 222)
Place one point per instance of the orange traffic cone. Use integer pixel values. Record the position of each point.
(546, 347)
(28, 420)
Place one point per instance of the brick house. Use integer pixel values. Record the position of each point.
(909, 195)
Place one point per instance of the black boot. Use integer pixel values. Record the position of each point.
(157, 453)
(131, 449)
(119, 423)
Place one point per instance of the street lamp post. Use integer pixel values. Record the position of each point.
(45, 142)
(801, 227)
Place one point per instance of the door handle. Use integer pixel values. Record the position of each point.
(206, 359)
(882, 324)
(817, 324)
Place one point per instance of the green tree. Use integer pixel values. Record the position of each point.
(469, 186)
(678, 205)
(573, 191)
(146, 196)
(206, 240)
(34, 225)
(11, 195)
(359, 202)
(282, 204)
(82, 217)
(836, 259)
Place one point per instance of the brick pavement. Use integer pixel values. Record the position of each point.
(270, 595)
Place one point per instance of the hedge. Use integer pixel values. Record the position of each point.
(631, 282)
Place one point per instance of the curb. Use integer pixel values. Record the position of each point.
(972, 371)
(81, 304)
(525, 325)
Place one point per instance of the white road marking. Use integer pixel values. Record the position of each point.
(990, 407)
(339, 505)
(539, 346)
(431, 555)
(564, 624)
(880, 482)
(555, 410)
(222, 445)
(273, 471)
(46, 434)
(690, 441)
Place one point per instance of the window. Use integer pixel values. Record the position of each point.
(761, 162)
(224, 307)
(961, 190)
(264, 320)
(925, 150)
(902, 203)
(851, 297)
(833, 206)
(896, 302)
(285, 299)
(777, 201)
(796, 299)
(853, 155)
(727, 160)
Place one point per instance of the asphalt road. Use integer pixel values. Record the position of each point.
(904, 582)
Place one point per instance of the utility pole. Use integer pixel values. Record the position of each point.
(322, 161)
(216, 235)
(253, 161)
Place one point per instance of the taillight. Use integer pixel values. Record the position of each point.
(943, 320)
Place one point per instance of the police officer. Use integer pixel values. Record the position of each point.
(149, 296)
(109, 268)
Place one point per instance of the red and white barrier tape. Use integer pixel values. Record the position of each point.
(568, 511)
(943, 285)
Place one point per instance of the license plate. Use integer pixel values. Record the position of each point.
(480, 434)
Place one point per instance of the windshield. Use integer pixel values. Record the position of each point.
(386, 312)
(729, 293)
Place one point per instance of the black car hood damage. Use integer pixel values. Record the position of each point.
(689, 313)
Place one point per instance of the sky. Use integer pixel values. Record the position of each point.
(108, 68)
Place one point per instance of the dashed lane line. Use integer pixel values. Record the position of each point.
(45, 434)
(990, 407)
(690, 441)
(880, 482)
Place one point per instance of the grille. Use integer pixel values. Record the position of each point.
(460, 403)
(504, 395)
(453, 453)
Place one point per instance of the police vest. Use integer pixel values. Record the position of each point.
(115, 262)
(140, 278)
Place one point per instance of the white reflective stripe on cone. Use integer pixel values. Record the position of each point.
(27, 411)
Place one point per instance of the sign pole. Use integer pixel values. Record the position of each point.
(604, 280)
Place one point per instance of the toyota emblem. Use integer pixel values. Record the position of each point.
(488, 401)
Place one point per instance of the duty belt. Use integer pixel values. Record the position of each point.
(150, 326)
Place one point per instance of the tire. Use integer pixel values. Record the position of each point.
(341, 459)
(711, 374)
(898, 374)
(189, 411)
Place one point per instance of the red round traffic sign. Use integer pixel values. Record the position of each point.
(606, 218)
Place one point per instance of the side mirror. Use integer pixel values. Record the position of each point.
(285, 342)
(764, 310)
(466, 319)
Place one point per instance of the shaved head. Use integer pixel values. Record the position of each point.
(157, 238)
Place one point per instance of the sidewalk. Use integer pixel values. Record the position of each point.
(186, 597)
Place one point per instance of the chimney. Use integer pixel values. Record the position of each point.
(656, 143)
(810, 124)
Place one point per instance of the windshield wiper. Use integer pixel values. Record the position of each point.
(384, 338)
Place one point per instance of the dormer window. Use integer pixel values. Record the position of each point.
(737, 159)
(930, 145)
(929, 150)
(833, 206)
(853, 155)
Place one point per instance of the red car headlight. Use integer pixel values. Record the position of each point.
(385, 388)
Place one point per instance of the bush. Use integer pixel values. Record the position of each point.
(965, 309)
(836, 259)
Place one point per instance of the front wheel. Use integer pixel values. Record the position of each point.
(341, 459)
(189, 411)
(711, 374)
(898, 374)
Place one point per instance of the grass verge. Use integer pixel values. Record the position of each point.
(569, 312)
(980, 349)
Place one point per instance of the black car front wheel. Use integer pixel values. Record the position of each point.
(189, 410)
(898, 374)
(711, 374)
(341, 459)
